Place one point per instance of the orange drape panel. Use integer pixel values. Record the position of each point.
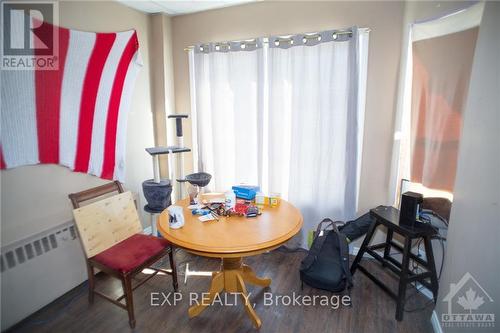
(441, 73)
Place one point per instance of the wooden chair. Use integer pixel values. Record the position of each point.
(111, 236)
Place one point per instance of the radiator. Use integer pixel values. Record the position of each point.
(38, 269)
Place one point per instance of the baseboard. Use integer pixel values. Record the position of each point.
(424, 291)
(353, 250)
(436, 326)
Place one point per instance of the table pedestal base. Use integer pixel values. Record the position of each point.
(232, 279)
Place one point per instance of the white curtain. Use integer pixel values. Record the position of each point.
(288, 116)
(226, 93)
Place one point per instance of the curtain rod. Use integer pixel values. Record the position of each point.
(265, 40)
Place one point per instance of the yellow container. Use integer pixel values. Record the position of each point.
(274, 199)
(261, 200)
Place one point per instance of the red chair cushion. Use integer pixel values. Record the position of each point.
(131, 252)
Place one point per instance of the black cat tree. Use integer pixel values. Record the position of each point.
(158, 191)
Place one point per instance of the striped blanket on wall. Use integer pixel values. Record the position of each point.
(75, 116)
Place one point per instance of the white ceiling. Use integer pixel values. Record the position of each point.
(180, 7)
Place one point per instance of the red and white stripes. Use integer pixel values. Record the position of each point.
(75, 116)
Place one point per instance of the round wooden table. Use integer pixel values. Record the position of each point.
(232, 238)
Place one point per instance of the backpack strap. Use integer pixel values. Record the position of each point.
(330, 223)
(344, 255)
(319, 228)
(317, 245)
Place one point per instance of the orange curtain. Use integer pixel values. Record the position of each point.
(441, 73)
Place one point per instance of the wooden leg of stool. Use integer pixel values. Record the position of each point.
(362, 250)
(431, 266)
(403, 280)
(388, 240)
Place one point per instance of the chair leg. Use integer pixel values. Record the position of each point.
(174, 268)
(90, 272)
(127, 289)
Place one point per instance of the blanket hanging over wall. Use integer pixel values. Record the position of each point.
(75, 116)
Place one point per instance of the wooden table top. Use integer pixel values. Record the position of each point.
(233, 236)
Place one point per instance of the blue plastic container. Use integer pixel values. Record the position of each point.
(246, 192)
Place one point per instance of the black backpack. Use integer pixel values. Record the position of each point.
(327, 263)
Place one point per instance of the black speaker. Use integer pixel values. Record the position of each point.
(410, 207)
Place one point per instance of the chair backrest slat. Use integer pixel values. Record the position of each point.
(95, 192)
(106, 222)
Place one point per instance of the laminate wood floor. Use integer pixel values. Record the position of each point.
(372, 310)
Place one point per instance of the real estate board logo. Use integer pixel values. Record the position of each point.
(30, 39)
(468, 303)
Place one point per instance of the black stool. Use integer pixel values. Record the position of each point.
(389, 217)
